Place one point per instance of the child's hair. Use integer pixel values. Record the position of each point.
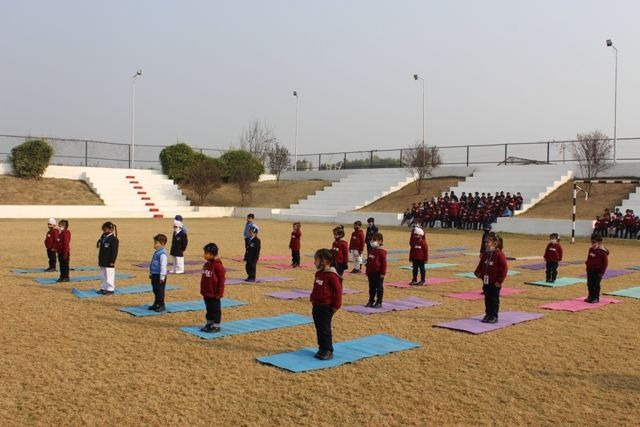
(64, 222)
(296, 223)
(178, 218)
(324, 255)
(110, 226)
(370, 219)
(358, 223)
(377, 237)
(493, 236)
(211, 248)
(596, 238)
(554, 236)
(338, 231)
(254, 229)
(160, 238)
(252, 216)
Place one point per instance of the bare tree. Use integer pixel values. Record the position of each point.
(204, 176)
(592, 151)
(278, 160)
(420, 160)
(258, 140)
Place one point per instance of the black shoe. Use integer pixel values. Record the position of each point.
(377, 305)
(49, 269)
(493, 319)
(160, 309)
(249, 280)
(485, 318)
(421, 283)
(153, 306)
(327, 355)
(355, 270)
(414, 283)
(100, 291)
(107, 293)
(64, 279)
(210, 328)
(369, 304)
(594, 301)
(317, 355)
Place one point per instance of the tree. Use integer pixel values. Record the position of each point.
(592, 152)
(243, 169)
(204, 176)
(176, 159)
(278, 160)
(258, 140)
(420, 160)
(31, 158)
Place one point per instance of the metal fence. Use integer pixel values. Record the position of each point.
(84, 152)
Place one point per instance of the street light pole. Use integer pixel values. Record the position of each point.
(417, 77)
(615, 101)
(132, 148)
(295, 139)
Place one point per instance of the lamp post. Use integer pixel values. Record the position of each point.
(417, 77)
(132, 153)
(295, 138)
(615, 100)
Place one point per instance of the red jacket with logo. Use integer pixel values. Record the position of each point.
(63, 243)
(419, 250)
(377, 261)
(50, 239)
(294, 243)
(357, 240)
(598, 260)
(212, 280)
(493, 264)
(340, 251)
(553, 252)
(327, 289)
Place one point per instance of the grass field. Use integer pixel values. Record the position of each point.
(66, 361)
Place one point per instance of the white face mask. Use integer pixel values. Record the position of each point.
(375, 244)
(61, 228)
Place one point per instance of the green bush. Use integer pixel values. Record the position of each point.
(31, 158)
(242, 168)
(176, 159)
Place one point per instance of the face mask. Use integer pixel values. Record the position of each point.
(61, 228)
(374, 244)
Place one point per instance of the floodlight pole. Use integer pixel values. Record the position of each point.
(295, 138)
(615, 100)
(417, 77)
(132, 148)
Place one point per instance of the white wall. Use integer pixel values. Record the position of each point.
(543, 226)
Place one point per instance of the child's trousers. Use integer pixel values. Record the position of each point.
(108, 275)
(376, 289)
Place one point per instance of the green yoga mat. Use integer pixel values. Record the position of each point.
(628, 292)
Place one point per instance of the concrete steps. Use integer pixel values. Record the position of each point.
(631, 202)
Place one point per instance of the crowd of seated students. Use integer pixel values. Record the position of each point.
(467, 212)
(616, 224)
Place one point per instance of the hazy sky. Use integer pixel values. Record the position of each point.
(495, 71)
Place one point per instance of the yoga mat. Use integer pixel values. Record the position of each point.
(430, 281)
(189, 262)
(430, 266)
(476, 295)
(344, 352)
(578, 304)
(307, 264)
(635, 267)
(257, 324)
(470, 275)
(303, 293)
(474, 325)
(455, 249)
(177, 307)
(628, 292)
(523, 258)
(53, 280)
(125, 290)
(42, 270)
(612, 273)
(398, 251)
(560, 281)
(267, 258)
(408, 303)
(265, 279)
(443, 255)
(539, 266)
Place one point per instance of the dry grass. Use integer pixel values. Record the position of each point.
(46, 191)
(267, 194)
(400, 200)
(66, 361)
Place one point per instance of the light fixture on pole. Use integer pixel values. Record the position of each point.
(132, 148)
(615, 101)
(417, 77)
(295, 138)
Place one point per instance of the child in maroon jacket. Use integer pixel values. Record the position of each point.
(597, 263)
(340, 250)
(553, 255)
(326, 298)
(212, 287)
(492, 269)
(418, 255)
(63, 248)
(50, 243)
(356, 246)
(376, 270)
(294, 245)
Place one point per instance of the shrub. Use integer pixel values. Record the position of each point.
(176, 159)
(31, 158)
(204, 176)
(242, 168)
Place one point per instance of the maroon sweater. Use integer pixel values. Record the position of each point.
(419, 249)
(340, 251)
(294, 243)
(377, 261)
(357, 240)
(598, 260)
(212, 280)
(493, 264)
(327, 289)
(553, 252)
(63, 243)
(50, 239)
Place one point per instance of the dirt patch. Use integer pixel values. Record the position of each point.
(402, 199)
(46, 191)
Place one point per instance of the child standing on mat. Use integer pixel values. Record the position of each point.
(356, 246)
(492, 269)
(63, 248)
(178, 246)
(294, 245)
(50, 243)
(418, 255)
(371, 231)
(326, 298)
(158, 272)
(340, 250)
(107, 254)
(212, 287)
(251, 223)
(376, 270)
(552, 256)
(251, 254)
(597, 263)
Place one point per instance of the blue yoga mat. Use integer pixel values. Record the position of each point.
(628, 292)
(135, 289)
(470, 275)
(42, 270)
(246, 326)
(344, 352)
(177, 307)
(53, 280)
(560, 281)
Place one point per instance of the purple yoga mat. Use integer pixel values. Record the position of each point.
(408, 303)
(473, 324)
(476, 295)
(538, 266)
(189, 262)
(264, 279)
(308, 264)
(612, 273)
(430, 281)
(578, 304)
(302, 293)
(199, 270)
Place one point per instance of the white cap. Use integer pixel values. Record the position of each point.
(52, 221)
(177, 223)
(419, 231)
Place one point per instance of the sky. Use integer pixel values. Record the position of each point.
(494, 71)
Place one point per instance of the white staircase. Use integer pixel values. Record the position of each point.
(534, 182)
(359, 188)
(632, 202)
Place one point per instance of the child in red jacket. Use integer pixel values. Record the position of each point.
(50, 243)
(294, 245)
(212, 287)
(326, 298)
(597, 263)
(492, 269)
(63, 248)
(553, 255)
(376, 270)
(356, 246)
(418, 255)
(340, 250)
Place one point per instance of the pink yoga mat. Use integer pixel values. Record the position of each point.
(430, 281)
(578, 304)
(304, 293)
(266, 258)
(288, 266)
(476, 295)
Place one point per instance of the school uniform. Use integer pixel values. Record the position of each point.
(326, 299)
(552, 256)
(356, 247)
(178, 246)
(340, 250)
(418, 255)
(50, 243)
(376, 270)
(251, 256)
(63, 248)
(371, 230)
(107, 254)
(158, 272)
(596, 263)
(492, 269)
(212, 290)
(294, 245)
